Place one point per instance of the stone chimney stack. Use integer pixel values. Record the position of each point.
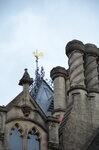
(92, 81)
(75, 51)
(91, 67)
(74, 127)
(59, 75)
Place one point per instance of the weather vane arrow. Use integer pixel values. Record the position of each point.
(37, 55)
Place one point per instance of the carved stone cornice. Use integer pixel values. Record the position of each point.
(58, 72)
(74, 45)
(53, 146)
(91, 49)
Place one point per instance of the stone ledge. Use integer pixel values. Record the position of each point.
(76, 87)
(92, 90)
(58, 110)
(52, 119)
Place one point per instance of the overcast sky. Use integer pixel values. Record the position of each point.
(46, 25)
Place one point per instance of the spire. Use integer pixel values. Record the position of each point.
(26, 78)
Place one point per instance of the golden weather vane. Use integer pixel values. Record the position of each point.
(37, 55)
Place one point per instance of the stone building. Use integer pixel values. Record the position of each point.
(73, 123)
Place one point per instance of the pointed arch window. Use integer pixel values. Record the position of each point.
(33, 141)
(15, 139)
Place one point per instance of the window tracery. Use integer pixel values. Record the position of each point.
(33, 142)
(18, 138)
(15, 138)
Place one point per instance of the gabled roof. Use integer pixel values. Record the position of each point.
(3, 109)
(14, 101)
(18, 98)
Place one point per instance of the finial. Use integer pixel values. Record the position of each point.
(26, 78)
(25, 69)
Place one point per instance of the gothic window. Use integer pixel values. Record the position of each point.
(33, 141)
(15, 138)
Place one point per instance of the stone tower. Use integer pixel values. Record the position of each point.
(80, 123)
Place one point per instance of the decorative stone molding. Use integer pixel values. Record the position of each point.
(58, 110)
(53, 146)
(1, 136)
(75, 51)
(91, 49)
(74, 45)
(52, 119)
(26, 110)
(77, 87)
(58, 71)
(28, 119)
(26, 79)
(91, 67)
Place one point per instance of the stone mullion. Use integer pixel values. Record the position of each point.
(24, 142)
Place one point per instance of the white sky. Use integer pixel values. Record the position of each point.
(46, 25)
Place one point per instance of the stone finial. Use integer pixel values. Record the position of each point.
(74, 45)
(91, 49)
(26, 78)
(58, 71)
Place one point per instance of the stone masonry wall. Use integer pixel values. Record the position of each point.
(81, 117)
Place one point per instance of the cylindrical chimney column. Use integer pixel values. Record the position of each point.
(58, 75)
(91, 67)
(75, 51)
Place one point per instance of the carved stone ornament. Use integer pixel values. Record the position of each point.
(26, 110)
(1, 136)
(53, 146)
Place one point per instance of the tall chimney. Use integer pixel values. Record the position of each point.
(59, 75)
